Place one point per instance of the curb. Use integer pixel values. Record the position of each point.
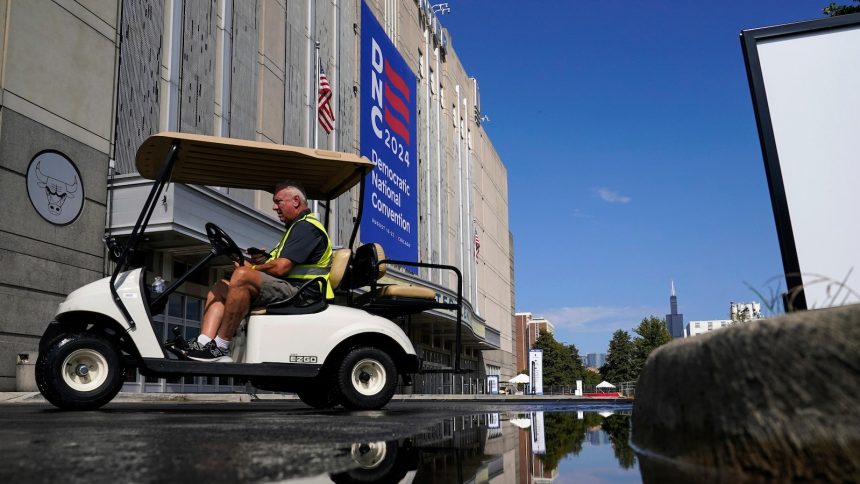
(36, 397)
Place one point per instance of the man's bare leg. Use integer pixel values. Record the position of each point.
(243, 288)
(214, 309)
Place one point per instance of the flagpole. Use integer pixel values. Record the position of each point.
(317, 94)
(316, 105)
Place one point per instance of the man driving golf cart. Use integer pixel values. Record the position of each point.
(350, 354)
(304, 252)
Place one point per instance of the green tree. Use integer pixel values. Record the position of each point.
(556, 365)
(561, 364)
(620, 364)
(618, 428)
(576, 360)
(834, 10)
(590, 379)
(564, 434)
(652, 333)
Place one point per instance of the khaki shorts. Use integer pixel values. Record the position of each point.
(273, 290)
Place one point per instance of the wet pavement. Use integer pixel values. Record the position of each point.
(415, 441)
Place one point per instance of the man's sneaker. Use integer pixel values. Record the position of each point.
(192, 345)
(208, 352)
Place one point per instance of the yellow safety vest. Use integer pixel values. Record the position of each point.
(304, 272)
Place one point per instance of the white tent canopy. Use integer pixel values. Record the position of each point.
(605, 384)
(521, 378)
(522, 423)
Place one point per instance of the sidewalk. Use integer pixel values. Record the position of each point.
(122, 397)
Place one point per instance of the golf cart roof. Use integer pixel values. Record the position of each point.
(236, 163)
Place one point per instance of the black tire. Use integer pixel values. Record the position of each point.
(318, 398)
(319, 393)
(366, 379)
(79, 371)
(377, 462)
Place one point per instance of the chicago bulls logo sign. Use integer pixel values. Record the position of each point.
(55, 187)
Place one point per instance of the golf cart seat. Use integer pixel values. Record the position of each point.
(367, 269)
(339, 263)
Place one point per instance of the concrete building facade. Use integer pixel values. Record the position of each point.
(695, 328)
(112, 73)
(744, 311)
(738, 313)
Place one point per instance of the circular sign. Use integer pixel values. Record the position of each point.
(55, 188)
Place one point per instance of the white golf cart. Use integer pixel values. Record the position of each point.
(347, 354)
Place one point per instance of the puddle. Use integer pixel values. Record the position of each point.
(515, 447)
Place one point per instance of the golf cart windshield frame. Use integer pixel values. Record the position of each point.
(122, 264)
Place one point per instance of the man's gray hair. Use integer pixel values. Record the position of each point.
(293, 184)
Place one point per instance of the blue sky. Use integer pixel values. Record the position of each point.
(630, 141)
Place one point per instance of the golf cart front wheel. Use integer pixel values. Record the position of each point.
(79, 371)
(366, 379)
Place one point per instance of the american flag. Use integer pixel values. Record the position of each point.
(477, 244)
(324, 111)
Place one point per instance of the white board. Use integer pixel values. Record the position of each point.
(804, 79)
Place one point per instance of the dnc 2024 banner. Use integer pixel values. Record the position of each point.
(388, 139)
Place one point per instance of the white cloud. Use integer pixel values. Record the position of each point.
(578, 213)
(597, 319)
(610, 196)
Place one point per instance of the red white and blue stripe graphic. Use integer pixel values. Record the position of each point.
(397, 94)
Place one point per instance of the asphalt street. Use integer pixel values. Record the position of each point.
(238, 442)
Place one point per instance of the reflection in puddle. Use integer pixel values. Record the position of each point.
(516, 447)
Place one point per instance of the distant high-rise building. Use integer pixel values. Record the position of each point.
(595, 360)
(674, 320)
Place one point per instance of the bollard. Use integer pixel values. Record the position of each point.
(25, 372)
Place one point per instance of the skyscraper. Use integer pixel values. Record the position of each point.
(674, 321)
(595, 360)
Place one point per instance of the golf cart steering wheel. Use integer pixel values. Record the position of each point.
(222, 243)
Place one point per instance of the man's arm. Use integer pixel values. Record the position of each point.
(279, 267)
(298, 248)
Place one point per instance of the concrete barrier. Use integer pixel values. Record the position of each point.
(25, 372)
(769, 400)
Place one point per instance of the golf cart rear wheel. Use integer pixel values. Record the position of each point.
(80, 371)
(366, 379)
(319, 392)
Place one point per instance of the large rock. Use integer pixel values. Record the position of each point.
(770, 400)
